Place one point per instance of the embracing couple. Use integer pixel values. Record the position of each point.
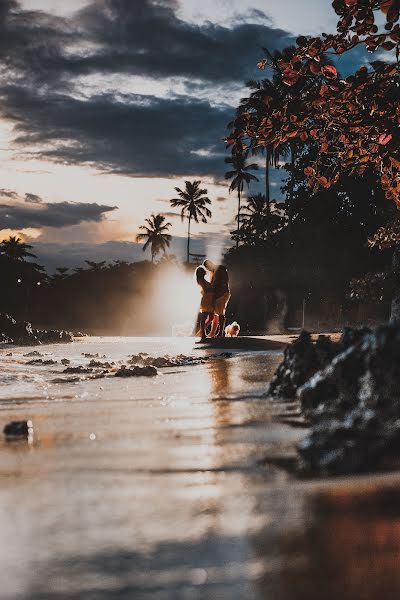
(215, 295)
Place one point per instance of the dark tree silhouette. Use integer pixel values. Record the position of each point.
(155, 234)
(15, 249)
(239, 176)
(193, 202)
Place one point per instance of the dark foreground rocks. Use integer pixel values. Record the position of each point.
(22, 333)
(352, 403)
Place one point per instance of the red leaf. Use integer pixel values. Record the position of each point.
(384, 139)
(350, 2)
(309, 171)
(290, 76)
(329, 71)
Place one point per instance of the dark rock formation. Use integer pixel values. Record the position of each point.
(79, 369)
(148, 371)
(302, 358)
(40, 362)
(22, 333)
(354, 407)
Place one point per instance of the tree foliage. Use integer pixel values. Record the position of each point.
(355, 119)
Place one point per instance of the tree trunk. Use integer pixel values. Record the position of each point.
(291, 187)
(238, 219)
(395, 307)
(188, 241)
(267, 192)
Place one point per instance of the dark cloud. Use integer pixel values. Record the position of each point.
(33, 199)
(146, 37)
(9, 194)
(60, 214)
(136, 135)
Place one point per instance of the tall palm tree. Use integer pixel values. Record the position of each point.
(193, 201)
(15, 249)
(239, 175)
(262, 101)
(155, 235)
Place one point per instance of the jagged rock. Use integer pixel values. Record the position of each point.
(148, 371)
(96, 364)
(354, 406)
(41, 362)
(18, 430)
(302, 358)
(78, 369)
(22, 333)
(33, 353)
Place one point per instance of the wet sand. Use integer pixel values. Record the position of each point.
(169, 489)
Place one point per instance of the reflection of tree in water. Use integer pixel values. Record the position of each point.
(350, 549)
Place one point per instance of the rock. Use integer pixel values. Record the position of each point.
(88, 355)
(354, 406)
(18, 430)
(302, 358)
(78, 369)
(96, 364)
(65, 361)
(22, 333)
(41, 362)
(148, 371)
(33, 353)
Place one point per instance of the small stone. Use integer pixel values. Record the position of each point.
(18, 429)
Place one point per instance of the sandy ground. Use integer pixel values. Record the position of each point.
(168, 488)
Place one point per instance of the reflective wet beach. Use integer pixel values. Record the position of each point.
(165, 488)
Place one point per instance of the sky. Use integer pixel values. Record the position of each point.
(107, 105)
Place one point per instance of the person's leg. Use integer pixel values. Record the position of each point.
(214, 326)
(221, 320)
(203, 319)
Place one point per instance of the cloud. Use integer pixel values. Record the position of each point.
(61, 214)
(33, 199)
(136, 135)
(45, 91)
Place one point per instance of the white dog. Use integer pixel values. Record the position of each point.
(232, 330)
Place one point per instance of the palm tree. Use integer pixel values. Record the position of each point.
(193, 201)
(259, 220)
(15, 249)
(239, 176)
(155, 235)
(263, 100)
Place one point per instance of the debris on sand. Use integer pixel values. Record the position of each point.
(18, 430)
(96, 364)
(148, 371)
(97, 355)
(39, 362)
(79, 369)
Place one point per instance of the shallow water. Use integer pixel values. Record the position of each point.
(164, 488)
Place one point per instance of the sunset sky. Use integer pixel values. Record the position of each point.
(107, 105)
